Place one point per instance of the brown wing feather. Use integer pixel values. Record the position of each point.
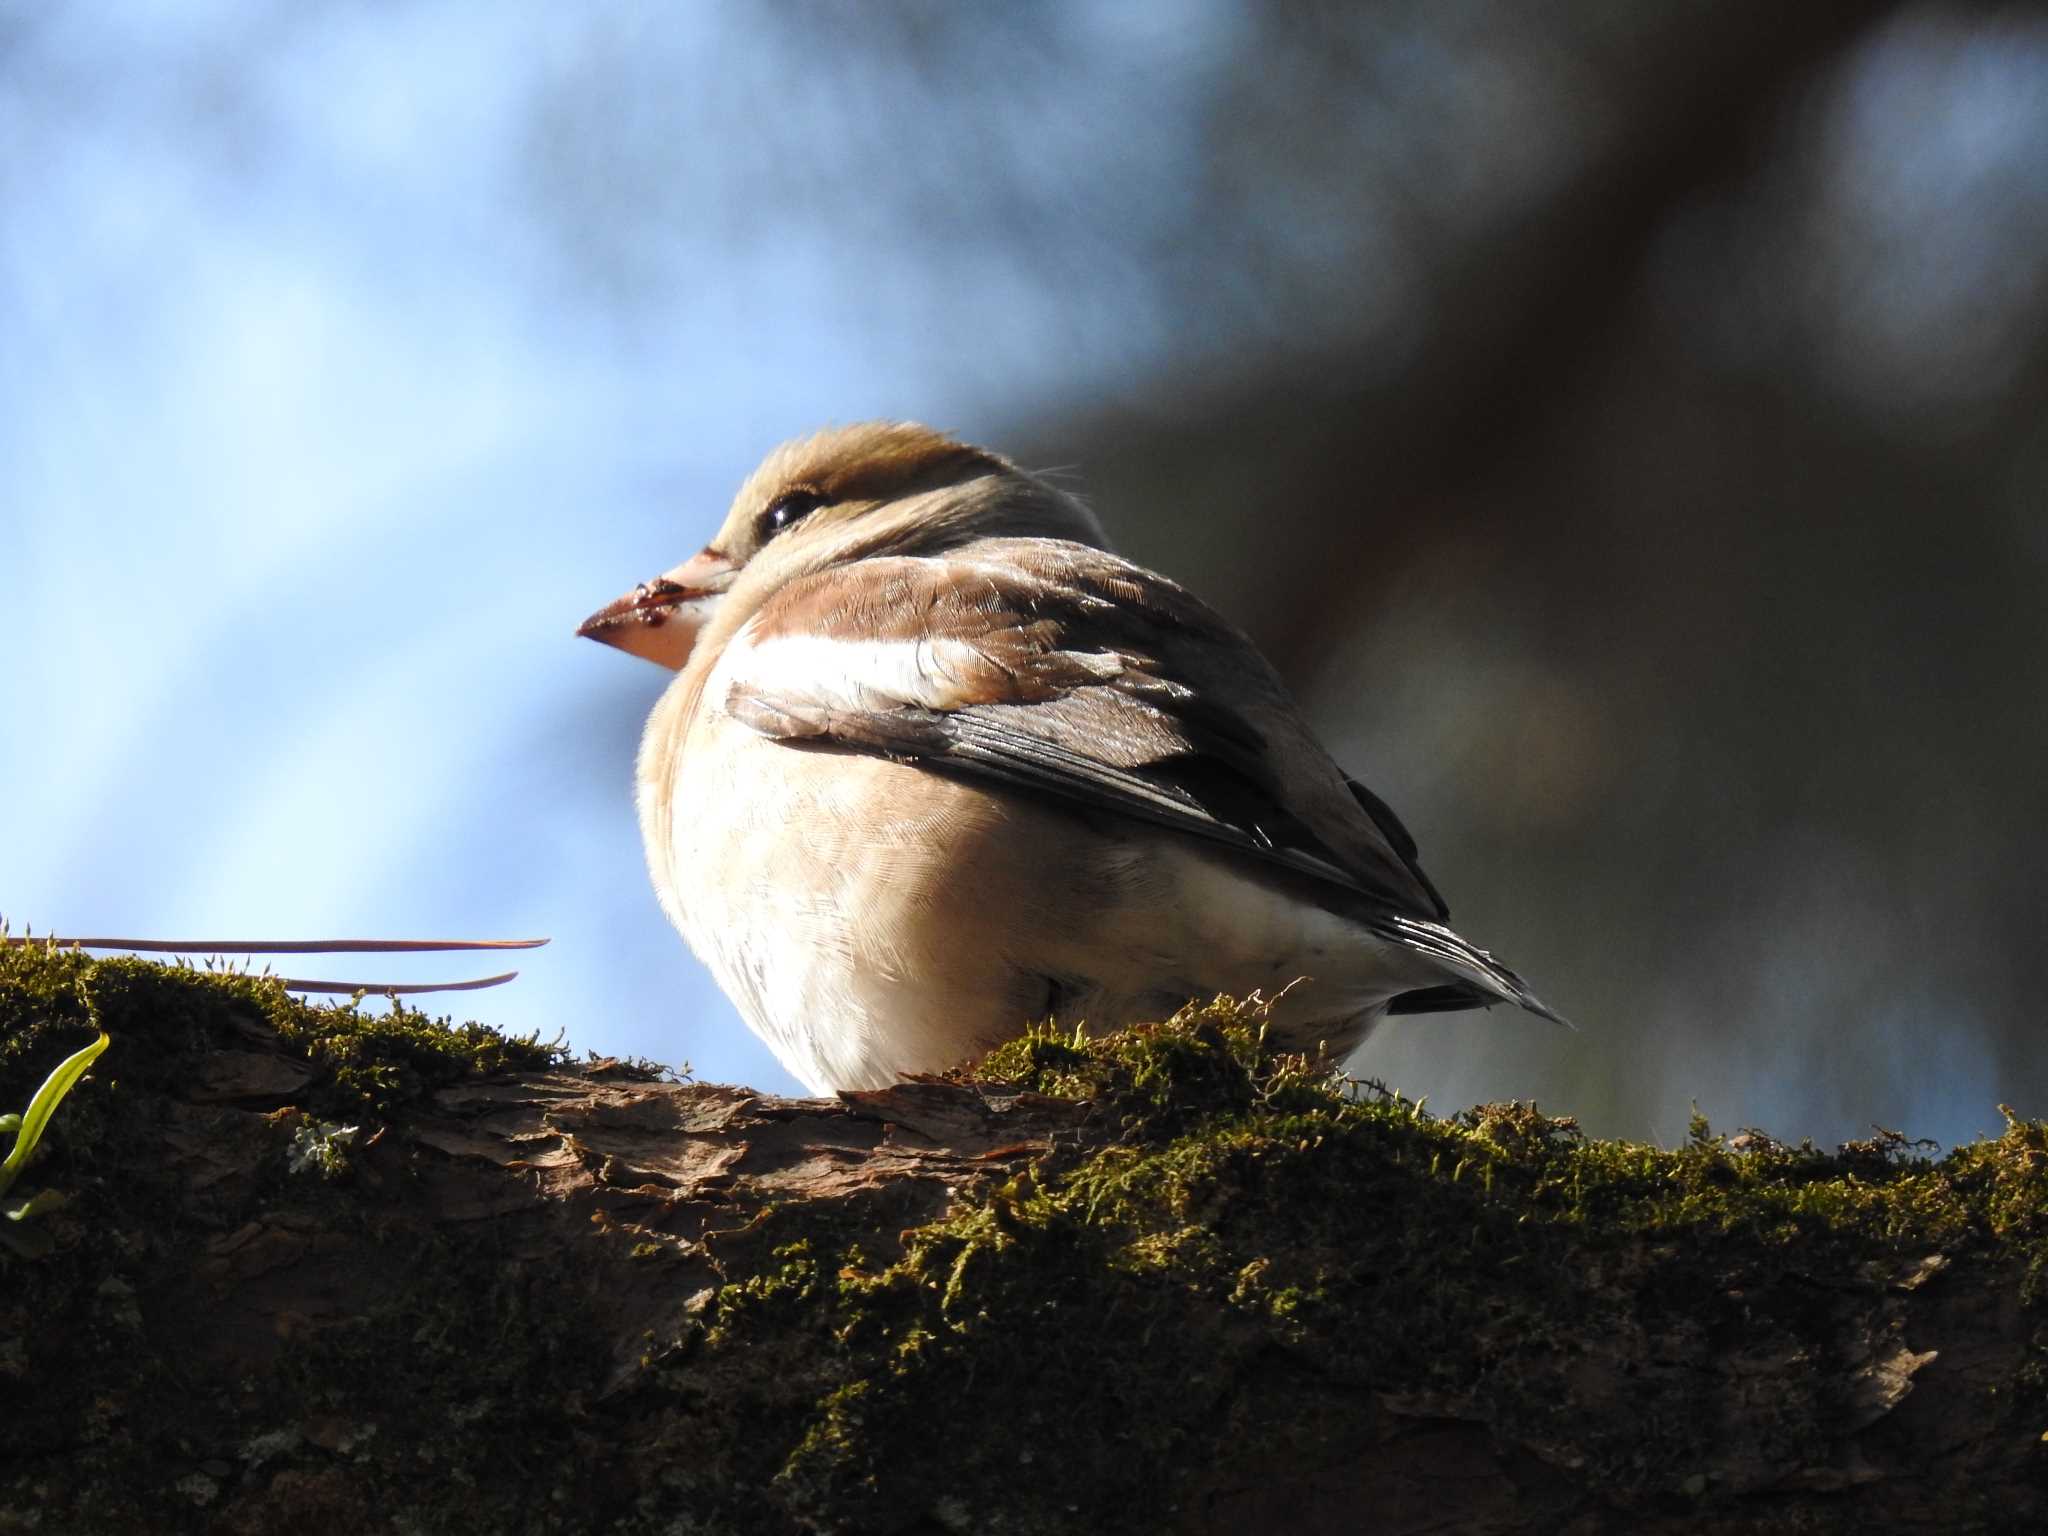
(1064, 670)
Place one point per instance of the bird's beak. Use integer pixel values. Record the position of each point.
(659, 619)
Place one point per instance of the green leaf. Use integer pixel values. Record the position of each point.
(44, 1105)
(10, 1122)
(21, 1207)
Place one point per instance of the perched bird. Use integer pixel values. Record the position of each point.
(936, 764)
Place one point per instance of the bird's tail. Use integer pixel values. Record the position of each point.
(1485, 980)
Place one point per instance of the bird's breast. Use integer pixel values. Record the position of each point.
(871, 917)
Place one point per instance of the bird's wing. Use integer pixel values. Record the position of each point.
(1062, 670)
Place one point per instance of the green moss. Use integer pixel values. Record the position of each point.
(379, 1061)
(162, 1016)
(1243, 1245)
(1071, 1316)
(93, 1446)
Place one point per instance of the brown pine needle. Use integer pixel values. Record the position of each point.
(276, 946)
(307, 947)
(402, 989)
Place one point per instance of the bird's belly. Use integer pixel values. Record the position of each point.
(871, 918)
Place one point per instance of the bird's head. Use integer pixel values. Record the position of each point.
(848, 493)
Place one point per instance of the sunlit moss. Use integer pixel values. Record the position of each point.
(1239, 1248)
(1104, 1307)
(366, 1061)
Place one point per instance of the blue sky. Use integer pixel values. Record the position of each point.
(354, 354)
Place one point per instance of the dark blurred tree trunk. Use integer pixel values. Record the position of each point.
(1344, 446)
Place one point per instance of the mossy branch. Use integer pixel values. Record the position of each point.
(331, 1270)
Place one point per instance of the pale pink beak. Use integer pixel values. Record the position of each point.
(659, 619)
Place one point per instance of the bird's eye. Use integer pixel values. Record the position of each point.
(787, 510)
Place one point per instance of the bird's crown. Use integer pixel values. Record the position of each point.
(894, 487)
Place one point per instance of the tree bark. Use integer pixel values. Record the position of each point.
(1189, 1289)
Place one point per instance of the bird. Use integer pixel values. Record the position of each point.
(936, 764)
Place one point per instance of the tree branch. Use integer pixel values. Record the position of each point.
(324, 1270)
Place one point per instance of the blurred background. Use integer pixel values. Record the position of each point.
(1624, 425)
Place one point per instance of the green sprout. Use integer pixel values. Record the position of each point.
(28, 1127)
